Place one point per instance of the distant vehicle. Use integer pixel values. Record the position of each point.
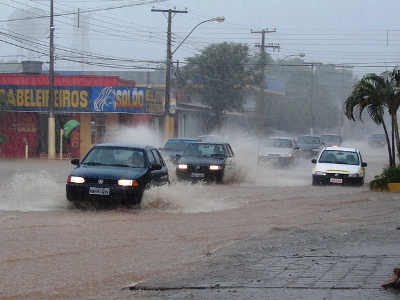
(279, 151)
(114, 173)
(175, 147)
(310, 145)
(206, 161)
(209, 138)
(332, 140)
(377, 140)
(339, 166)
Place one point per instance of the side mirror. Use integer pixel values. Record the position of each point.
(178, 155)
(364, 164)
(155, 166)
(75, 161)
(314, 161)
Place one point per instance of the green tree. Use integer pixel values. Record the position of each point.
(218, 74)
(376, 94)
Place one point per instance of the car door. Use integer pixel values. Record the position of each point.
(157, 177)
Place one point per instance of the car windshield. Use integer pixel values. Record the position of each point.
(115, 156)
(177, 145)
(204, 150)
(308, 140)
(339, 157)
(330, 138)
(278, 143)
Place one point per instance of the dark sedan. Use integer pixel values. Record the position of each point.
(206, 161)
(116, 173)
(175, 147)
(310, 145)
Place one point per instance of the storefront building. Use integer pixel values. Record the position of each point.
(97, 103)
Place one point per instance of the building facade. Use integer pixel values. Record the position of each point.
(98, 103)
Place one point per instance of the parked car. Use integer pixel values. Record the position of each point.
(310, 145)
(377, 140)
(207, 161)
(331, 140)
(339, 166)
(175, 147)
(279, 151)
(114, 173)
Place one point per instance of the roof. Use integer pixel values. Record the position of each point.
(342, 149)
(63, 80)
(127, 145)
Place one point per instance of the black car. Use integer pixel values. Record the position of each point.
(115, 173)
(332, 140)
(175, 147)
(310, 145)
(207, 161)
(377, 140)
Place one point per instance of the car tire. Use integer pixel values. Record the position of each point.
(314, 182)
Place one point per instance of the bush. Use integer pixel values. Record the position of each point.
(389, 175)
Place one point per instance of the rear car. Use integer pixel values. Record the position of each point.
(377, 140)
(339, 166)
(206, 161)
(310, 145)
(174, 148)
(279, 151)
(114, 173)
(332, 140)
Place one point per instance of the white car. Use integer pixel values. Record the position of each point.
(279, 151)
(339, 166)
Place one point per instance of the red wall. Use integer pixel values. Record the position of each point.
(20, 128)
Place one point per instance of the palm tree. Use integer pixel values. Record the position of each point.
(378, 93)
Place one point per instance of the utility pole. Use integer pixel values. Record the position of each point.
(52, 122)
(312, 121)
(169, 121)
(262, 83)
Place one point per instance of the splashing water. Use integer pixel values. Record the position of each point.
(32, 191)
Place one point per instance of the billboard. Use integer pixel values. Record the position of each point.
(76, 99)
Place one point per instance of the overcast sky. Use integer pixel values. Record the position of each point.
(361, 34)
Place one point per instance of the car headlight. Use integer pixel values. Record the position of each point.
(215, 167)
(128, 182)
(182, 167)
(354, 175)
(320, 173)
(75, 179)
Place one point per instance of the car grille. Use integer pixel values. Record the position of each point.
(198, 169)
(333, 175)
(105, 181)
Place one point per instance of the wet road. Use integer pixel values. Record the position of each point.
(251, 238)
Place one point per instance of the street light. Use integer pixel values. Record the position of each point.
(169, 122)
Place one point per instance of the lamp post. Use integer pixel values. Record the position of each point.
(169, 122)
(51, 122)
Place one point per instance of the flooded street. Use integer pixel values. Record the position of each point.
(52, 252)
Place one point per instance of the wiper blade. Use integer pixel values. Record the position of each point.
(93, 163)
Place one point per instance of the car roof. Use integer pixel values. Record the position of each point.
(309, 135)
(128, 145)
(181, 140)
(280, 138)
(342, 149)
(211, 142)
(330, 134)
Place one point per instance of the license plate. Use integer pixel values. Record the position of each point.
(336, 180)
(198, 175)
(99, 191)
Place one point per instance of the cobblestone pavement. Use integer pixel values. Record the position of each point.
(352, 263)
